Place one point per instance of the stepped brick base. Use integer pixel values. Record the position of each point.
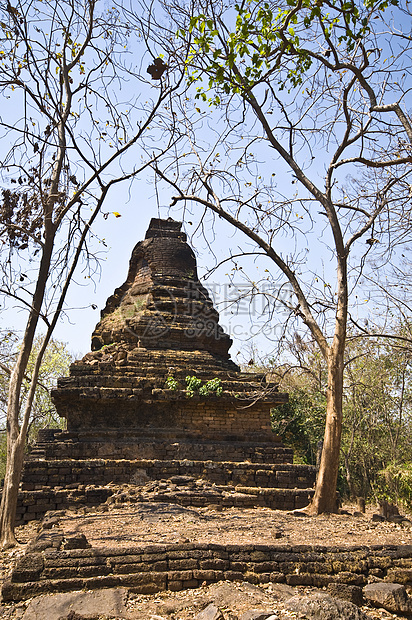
(158, 396)
(100, 472)
(148, 569)
(33, 505)
(59, 484)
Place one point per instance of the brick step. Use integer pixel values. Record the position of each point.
(160, 443)
(277, 499)
(148, 569)
(161, 434)
(153, 392)
(32, 505)
(172, 363)
(102, 471)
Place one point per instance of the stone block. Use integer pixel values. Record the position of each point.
(175, 586)
(232, 575)
(214, 564)
(190, 583)
(264, 567)
(251, 577)
(277, 577)
(208, 575)
(183, 575)
(28, 568)
(72, 572)
(346, 592)
(390, 596)
(144, 583)
(399, 575)
(184, 564)
(350, 578)
(303, 579)
(260, 556)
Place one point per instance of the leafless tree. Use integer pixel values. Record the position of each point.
(76, 115)
(310, 159)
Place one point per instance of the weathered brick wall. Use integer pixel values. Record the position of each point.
(151, 446)
(103, 408)
(32, 505)
(38, 474)
(60, 484)
(152, 568)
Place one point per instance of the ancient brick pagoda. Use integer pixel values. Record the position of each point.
(128, 410)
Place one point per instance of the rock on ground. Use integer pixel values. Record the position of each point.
(390, 596)
(211, 612)
(321, 606)
(110, 603)
(254, 614)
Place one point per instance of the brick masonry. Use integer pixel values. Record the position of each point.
(47, 568)
(60, 484)
(125, 425)
(128, 407)
(65, 472)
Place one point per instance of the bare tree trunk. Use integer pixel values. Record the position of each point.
(15, 435)
(324, 499)
(348, 475)
(15, 455)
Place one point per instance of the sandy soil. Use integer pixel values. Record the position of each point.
(130, 524)
(169, 523)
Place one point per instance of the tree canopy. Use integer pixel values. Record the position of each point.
(70, 134)
(310, 142)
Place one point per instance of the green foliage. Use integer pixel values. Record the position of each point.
(394, 484)
(265, 40)
(301, 423)
(172, 383)
(55, 364)
(377, 411)
(194, 385)
(211, 386)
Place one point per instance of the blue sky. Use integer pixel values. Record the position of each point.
(140, 203)
(242, 321)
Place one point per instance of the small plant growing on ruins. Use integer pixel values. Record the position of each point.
(172, 383)
(194, 385)
(203, 391)
(214, 385)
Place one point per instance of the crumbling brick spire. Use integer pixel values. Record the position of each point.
(162, 304)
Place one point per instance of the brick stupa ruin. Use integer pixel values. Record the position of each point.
(131, 417)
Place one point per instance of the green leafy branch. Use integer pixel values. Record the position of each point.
(194, 385)
(262, 38)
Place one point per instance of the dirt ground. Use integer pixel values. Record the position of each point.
(130, 524)
(169, 523)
